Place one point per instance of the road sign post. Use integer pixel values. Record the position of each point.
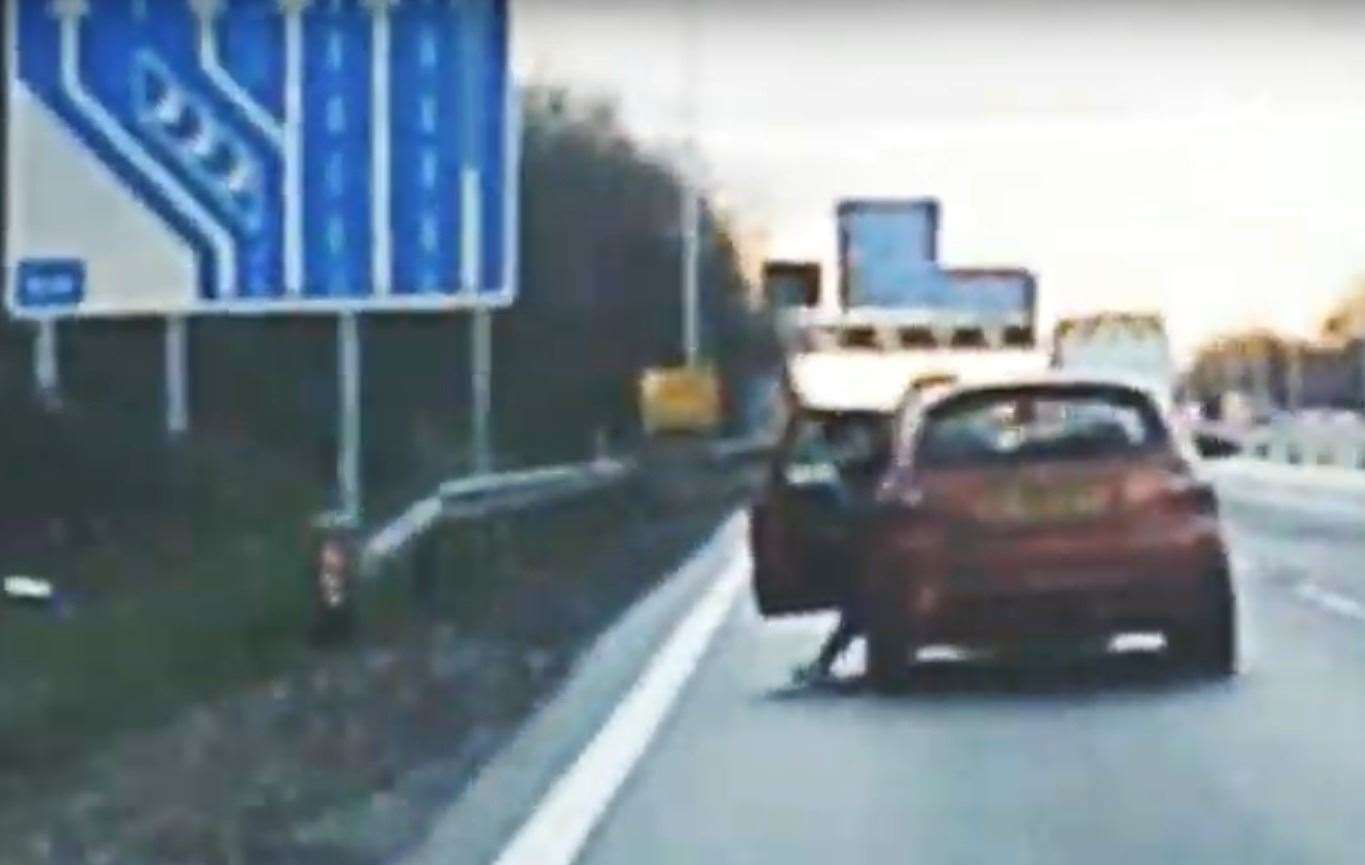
(481, 362)
(47, 380)
(349, 444)
(177, 377)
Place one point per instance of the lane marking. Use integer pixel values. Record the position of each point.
(560, 825)
(1331, 601)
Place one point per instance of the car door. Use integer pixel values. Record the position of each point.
(801, 525)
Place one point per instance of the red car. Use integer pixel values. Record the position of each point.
(1004, 515)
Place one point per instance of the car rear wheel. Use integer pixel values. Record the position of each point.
(1209, 646)
(888, 660)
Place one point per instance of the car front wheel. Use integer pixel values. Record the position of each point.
(888, 660)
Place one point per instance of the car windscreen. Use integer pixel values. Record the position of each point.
(1034, 424)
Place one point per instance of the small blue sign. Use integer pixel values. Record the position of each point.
(309, 155)
(50, 284)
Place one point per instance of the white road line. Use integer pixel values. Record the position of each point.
(293, 146)
(381, 139)
(471, 231)
(212, 64)
(559, 827)
(1331, 601)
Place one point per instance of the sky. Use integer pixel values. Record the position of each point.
(1206, 159)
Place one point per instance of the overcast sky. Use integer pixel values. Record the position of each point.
(1205, 158)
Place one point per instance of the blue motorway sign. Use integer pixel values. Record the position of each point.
(994, 293)
(888, 251)
(187, 156)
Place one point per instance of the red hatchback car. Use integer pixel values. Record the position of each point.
(1005, 515)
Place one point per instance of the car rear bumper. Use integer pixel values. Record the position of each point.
(1072, 614)
(989, 594)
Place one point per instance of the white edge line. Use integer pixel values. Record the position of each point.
(561, 824)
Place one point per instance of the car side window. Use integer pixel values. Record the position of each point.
(836, 450)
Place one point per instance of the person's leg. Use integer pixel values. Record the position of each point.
(849, 628)
(837, 642)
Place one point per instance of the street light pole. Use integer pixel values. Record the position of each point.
(689, 216)
(691, 251)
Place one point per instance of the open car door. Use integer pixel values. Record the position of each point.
(803, 525)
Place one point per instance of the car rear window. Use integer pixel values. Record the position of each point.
(1035, 424)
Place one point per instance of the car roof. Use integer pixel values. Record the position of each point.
(875, 381)
(1049, 379)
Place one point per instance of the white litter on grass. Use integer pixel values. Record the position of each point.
(28, 588)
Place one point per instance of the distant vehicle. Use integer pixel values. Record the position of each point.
(1132, 346)
(1044, 509)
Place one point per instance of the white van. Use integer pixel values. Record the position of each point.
(1131, 346)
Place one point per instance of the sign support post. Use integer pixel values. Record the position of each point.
(46, 369)
(480, 324)
(177, 377)
(348, 416)
(481, 351)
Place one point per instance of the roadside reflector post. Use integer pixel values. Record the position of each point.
(332, 566)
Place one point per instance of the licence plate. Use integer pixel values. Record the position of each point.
(1036, 504)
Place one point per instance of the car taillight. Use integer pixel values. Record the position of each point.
(1174, 492)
